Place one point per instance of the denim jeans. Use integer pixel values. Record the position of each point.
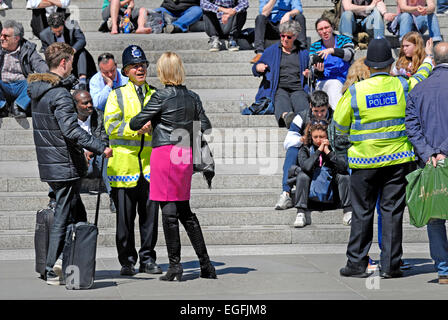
(349, 24)
(420, 24)
(186, 18)
(442, 6)
(438, 245)
(290, 160)
(14, 92)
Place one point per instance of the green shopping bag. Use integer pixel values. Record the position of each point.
(427, 193)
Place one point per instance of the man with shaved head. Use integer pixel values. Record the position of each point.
(426, 127)
(91, 120)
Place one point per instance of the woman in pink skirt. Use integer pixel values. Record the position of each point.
(171, 112)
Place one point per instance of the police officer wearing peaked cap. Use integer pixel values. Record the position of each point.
(129, 173)
(372, 112)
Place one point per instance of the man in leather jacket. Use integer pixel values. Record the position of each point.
(59, 144)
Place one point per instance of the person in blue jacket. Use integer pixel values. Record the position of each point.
(282, 66)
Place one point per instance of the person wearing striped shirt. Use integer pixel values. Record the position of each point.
(337, 52)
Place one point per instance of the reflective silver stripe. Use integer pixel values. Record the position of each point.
(120, 131)
(131, 143)
(120, 99)
(341, 127)
(354, 103)
(112, 126)
(378, 135)
(378, 125)
(117, 116)
(405, 85)
(424, 68)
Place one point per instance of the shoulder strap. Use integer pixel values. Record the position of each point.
(120, 99)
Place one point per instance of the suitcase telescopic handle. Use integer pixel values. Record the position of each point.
(97, 210)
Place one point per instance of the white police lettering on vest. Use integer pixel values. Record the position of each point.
(381, 99)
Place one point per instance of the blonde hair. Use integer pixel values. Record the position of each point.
(170, 69)
(358, 71)
(417, 58)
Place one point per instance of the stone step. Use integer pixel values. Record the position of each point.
(232, 235)
(223, 181)
(97, 4)
(200, 198)
(220, 150)
(244, 216)
(238, 166)
(25, 137)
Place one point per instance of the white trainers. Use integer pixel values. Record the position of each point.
(300, 221)
(347, 218)
(57, 268)
(284, 202)
(3, 6)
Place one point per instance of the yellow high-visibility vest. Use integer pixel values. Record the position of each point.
(372, 113)
(131, 151)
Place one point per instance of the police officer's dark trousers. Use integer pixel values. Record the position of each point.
(364, 187)
(128, 202)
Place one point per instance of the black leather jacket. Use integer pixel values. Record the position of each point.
(58, 137)
(170, 110)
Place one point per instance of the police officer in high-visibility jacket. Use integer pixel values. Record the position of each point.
(129, 173)
(372, 114)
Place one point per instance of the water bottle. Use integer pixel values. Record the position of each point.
(243, 104)
(127, 24)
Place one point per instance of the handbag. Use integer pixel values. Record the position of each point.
(203, 162)
(321, 186)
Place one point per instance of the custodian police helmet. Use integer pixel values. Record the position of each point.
(132, 55)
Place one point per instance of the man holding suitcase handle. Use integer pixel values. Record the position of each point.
(59, 144)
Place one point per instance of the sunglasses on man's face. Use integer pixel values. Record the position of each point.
(286, 36)
(321, 122)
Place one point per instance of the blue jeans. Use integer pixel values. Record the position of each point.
(421, 24)
(186, 18)
(290, 160)
(438, 245)
(348, 24)
(14, 92)
(442, 6)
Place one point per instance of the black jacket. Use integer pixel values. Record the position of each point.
(97, 126)
(179, 6)
(170, 109)
(309, 162)
(72, 36)
(30, 60)
(58, 137)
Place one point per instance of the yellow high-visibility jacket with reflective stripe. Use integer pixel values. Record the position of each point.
(372, 112)
(131, 151)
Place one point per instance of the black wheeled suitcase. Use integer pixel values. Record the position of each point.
(79, 255)
(44, 221)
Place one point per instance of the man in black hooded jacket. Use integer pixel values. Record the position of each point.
(59, 144)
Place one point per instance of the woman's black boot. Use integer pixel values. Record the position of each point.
(173, 272)
(208, 271)
(172, 239)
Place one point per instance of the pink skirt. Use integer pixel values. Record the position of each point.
(171, 172)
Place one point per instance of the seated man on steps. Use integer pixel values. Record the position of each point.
(224, 18)
(18, 58)
(91, 120)
(60, 30)
(272, 14)
(104, 81)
